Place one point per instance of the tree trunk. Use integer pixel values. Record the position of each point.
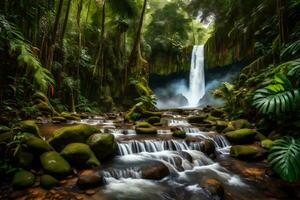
(65, 24)
(282, 21)
(135, 58)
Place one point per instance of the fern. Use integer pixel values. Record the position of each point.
(284, 158)
(291, 49)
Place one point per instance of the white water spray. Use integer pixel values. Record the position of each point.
(197, 78)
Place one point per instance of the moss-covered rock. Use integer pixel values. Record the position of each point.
(245, 151)
(36, 145)
(54, 163)
(23, 179)
(59, 119)
(179, 134)
(44, 108)
(48, 181)
(70, 116)
(71, 134)
(25, 159)
(267, 143)
(147, 131)
(40, 96)
(143, 125)
(147, 113)
(157, 124)
(134, 113)
(209, 147)
(153, 120)
(217, 112)
(221, 125)
(4, 129)
(80, 155)
(260, 137)
(241, 136)
(29, 126)
(237, 124)
(103, 144)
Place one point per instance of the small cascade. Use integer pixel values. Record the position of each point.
(190, 130)
(164, 132)
(178, 122)
(122, 173)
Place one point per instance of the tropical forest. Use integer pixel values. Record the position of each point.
(150, 99)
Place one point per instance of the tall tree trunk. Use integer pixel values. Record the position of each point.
(282, 21)
(135, 58)
(54, 35)
(65, 24)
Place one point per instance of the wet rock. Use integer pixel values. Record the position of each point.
(71, 134)
(154, 119)
(155, 172)
(29, 126)
(35, 144)
(143, 125)
(214, 187)
(186, 156)
(54, 163)
(146, 131)
(103, 144)
(23, 179)
(246, 152)
(58, 119)
(179, 134)
(80, 154)
(44, 108)
(241, 136)
(90, 179)
(267, 143)
(48, 181)
(209, 147)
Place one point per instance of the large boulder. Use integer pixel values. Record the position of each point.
(143, 125)
(29, 126)
(48, 181)
(80, 155)
(103, 144)
(90, 178)
(245, 152)
(155, 171)
(71, 134)
(209, 147)
(23, 179)
(146, 131)
(70, 116)
(241, 136)
(54, 163)
(237, 124)
(36, 145)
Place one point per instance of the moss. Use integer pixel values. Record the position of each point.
(4, 129)
(59, 119)
(260, 137)
(23, 179)
(153, 120)
(36, 144)
(143, 125)
(151, 130)
(241, 136)
(54, 163)
(103, 144)
(237, 124)
(179, 134)
(71, 134)
(134, 113)
(48, 181)
(80, 154)
(146, 114)
(157, 124)
(44, 108)
(70, 116)
(244, 151)
(6, 137)
(197, 119)
(29, 126)
(267, 143)
(221, 125)
(143, 88)
(40, 96)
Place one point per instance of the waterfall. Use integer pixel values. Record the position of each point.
(197, 79)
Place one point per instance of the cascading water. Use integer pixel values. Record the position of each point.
(197, 77)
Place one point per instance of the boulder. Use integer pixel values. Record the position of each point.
(103, 144)
(151, 130)
(209, 147)
(179, 134)
(23, 179)
(237, 124)
(90, 178)
(35, 144)
(71, 134)
(54, 163)
(143, 125)
(267, 143)
(245, 151)
(29, 126)
(155, 172)
(80, 155)
(241, 136)
(221, 125)
(48, 181)
(154, 119)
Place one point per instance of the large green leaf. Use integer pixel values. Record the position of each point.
(284, 158)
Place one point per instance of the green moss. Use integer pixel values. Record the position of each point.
(80, 154)
(40, 96)
(260, 137)
(237, 124)
(23, 179)
(4, 129)
(146, 114)
(134, 113)
(143, 125)
(36, 144)
(71, 134)
(59, 119)
(48, 181)
(179, 134)
(143, 88)
(267, 143)
(151, 130)
(103, 144)
(241, 136)
(244, 151)
(157, 124)
(54, 163)
(70, 116)
(44, 108)
(197, 119)
(29, 126)
(221, 125)
(153, 120)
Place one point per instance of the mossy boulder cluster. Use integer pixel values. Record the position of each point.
(145, 128)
